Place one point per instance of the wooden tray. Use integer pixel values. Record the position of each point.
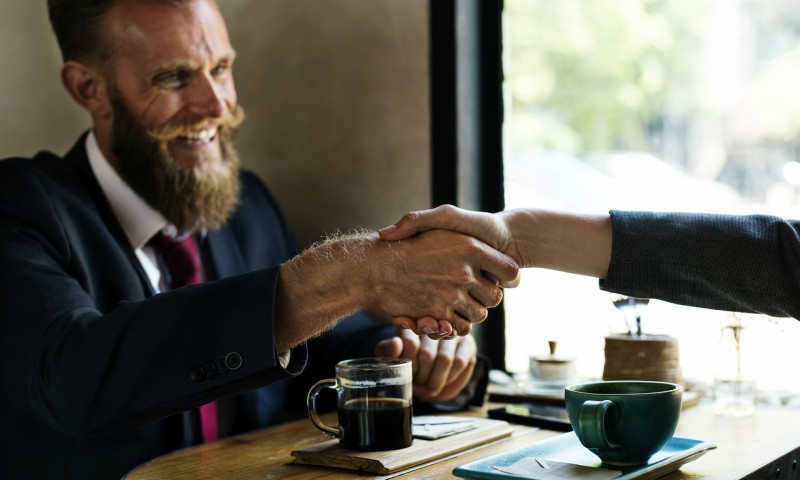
(330, 454)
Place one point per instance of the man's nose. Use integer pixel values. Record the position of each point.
(208, 98)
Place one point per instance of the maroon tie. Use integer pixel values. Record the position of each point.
(180, 258)
(183, 265)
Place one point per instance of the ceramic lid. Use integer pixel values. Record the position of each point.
(553, 357)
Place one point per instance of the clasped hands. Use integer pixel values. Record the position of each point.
(499, 268)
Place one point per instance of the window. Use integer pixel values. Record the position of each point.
(649, 105)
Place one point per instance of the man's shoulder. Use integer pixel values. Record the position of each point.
(46, 162)
(41, 163)
(259, 214)
(250, 179)
(255, 191)
(43, 156)
(44, 165)
(44, 173)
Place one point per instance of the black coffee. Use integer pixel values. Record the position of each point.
(375, 424)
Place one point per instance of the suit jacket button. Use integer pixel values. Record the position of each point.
(211, 369)
(220, 364)
(197, 374)
(233, 360)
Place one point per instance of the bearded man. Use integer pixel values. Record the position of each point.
(108, 359)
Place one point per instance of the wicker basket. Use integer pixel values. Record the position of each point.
(653, 357)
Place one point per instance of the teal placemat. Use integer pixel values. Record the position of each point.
(568, 449)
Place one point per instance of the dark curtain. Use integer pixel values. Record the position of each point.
(467, 120)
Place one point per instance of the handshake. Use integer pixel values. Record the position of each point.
(479, 267)
(435, 272)
(485, 252)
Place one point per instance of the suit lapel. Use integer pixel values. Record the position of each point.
(79, 159)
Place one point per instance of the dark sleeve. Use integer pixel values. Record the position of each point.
(727, 262)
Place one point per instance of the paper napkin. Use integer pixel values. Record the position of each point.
(543, 469)
(431, 427)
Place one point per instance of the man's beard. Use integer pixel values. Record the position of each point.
(202, 196)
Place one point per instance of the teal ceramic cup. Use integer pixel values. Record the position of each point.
(624, 422)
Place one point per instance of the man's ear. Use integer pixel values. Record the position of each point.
(87, 86)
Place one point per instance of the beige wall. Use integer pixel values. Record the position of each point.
(336, 93)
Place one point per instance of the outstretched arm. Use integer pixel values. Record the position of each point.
(445, 275)
(568, 242)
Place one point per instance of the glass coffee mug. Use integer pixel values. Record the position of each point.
(624, 422)
(374, 403)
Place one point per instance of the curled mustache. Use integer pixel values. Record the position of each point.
(175, 129)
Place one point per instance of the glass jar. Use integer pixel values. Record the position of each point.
(735, 390)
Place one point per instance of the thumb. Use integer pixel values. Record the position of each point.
(391, 347)
(419, 221)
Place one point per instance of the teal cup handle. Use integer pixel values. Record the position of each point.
(592, 426)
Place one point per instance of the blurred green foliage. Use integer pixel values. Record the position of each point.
(590, 75)
(586, 75)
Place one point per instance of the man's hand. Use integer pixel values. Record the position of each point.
(568, 242)
(441, 274)
(441, 369)
(493, 229)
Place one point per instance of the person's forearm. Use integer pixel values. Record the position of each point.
(439, 274)
(318, 288)
(568, 242)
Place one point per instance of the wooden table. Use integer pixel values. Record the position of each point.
(766, 445)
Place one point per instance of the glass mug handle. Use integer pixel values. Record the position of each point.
(592, 424)
(311, 403)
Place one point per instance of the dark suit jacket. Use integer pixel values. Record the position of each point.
(95, 369)
(98, 374)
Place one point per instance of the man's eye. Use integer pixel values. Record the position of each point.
(171, 79)
(219, 70)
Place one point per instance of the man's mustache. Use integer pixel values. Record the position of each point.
(175, 129)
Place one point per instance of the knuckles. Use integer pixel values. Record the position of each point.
(464, 329)
(409, 218)
(464, 275)
(497, 297)
(446, 209)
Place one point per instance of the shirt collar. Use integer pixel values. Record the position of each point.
(139, 221)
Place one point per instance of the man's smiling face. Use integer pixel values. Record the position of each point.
(174, 108)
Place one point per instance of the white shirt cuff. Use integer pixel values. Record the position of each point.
(283, 358)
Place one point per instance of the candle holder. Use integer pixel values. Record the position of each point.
(634, 354)
(647, 357)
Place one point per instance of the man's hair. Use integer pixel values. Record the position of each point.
(78, 26)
